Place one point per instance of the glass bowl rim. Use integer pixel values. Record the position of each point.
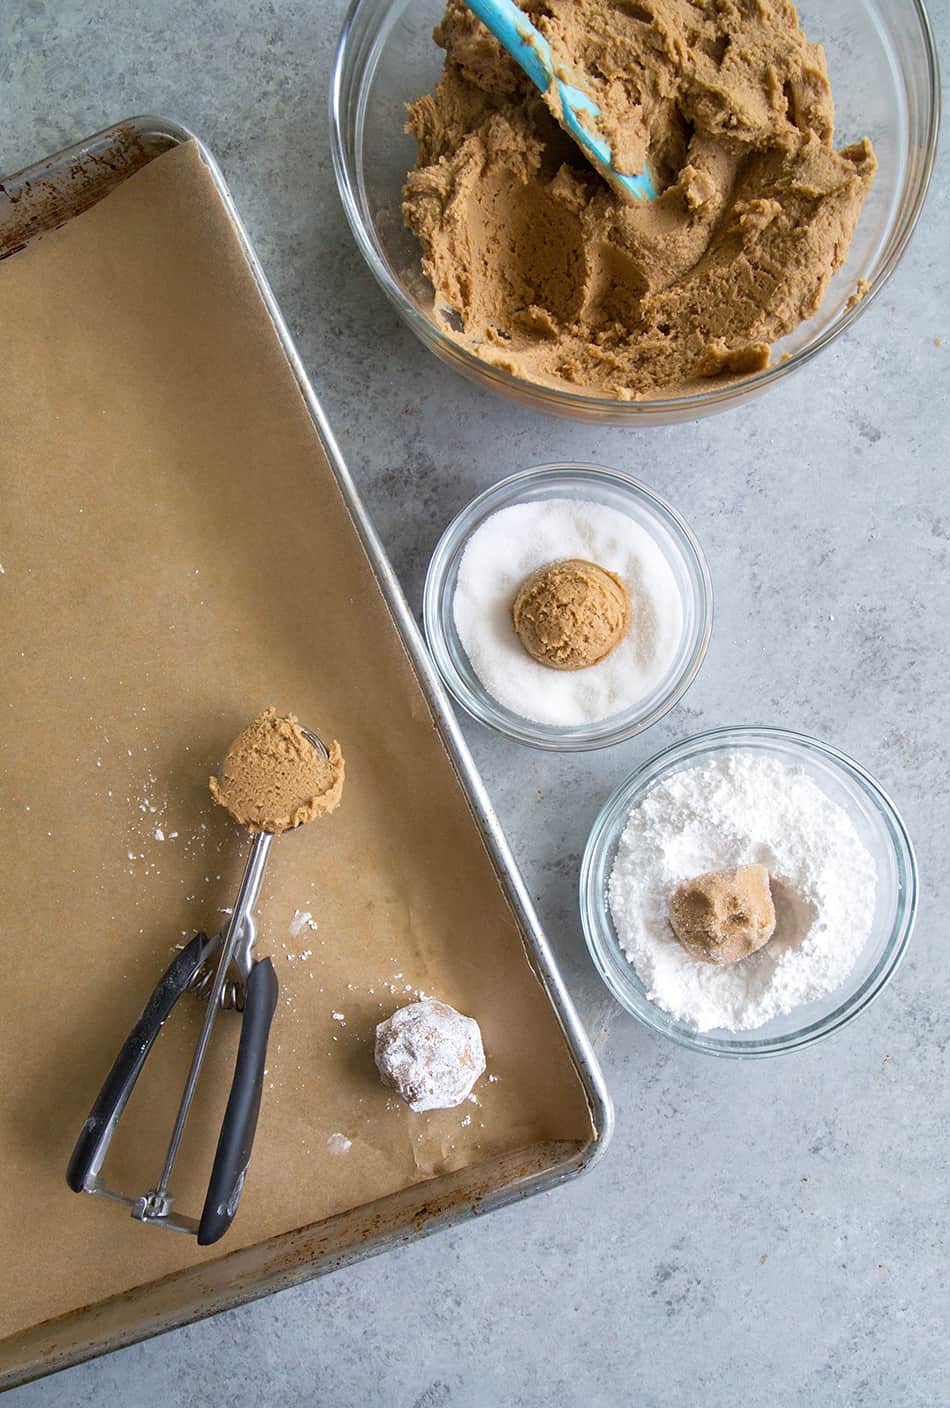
(599, 932)
(616, 728)
(695, 404)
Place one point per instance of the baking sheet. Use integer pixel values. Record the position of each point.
(176, 554)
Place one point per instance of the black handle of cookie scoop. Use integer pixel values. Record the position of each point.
(91, 1146)
(244, 1102)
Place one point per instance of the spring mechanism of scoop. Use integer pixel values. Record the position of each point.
(232, 994)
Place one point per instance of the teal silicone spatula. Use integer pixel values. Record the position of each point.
(529, 48)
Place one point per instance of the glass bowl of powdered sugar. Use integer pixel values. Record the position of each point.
(601, 520)
(841, 870)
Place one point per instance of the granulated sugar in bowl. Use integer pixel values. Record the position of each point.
(530, 521)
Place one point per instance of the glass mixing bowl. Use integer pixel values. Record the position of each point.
(878, 824)
(884, 75)
(617, 491)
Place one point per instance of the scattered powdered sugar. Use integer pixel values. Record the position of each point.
(743, 808)
(516, 541)
(302, 919)
(339, 1144)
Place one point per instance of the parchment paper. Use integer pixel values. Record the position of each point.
(176, 555)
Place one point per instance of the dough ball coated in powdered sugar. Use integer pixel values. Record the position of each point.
(429, 1054)
(724, 915)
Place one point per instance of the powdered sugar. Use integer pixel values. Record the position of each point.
(742, 808)
(302, 920)
(516, 541)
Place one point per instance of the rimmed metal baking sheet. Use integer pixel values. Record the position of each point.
(39, 199)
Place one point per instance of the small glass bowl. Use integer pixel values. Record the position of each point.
(570, 481)
(883, 66)
(880, 828)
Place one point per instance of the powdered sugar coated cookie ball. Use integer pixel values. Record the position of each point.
(429, 1054)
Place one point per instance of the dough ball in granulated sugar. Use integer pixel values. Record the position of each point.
(724, 915)
(571, 614)
(429, 1054)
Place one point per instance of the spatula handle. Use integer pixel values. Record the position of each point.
(515, 32)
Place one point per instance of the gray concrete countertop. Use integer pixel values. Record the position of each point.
(760, 1233)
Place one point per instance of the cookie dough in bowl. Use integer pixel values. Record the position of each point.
(568, 606)
(881, 63)
(554, 276)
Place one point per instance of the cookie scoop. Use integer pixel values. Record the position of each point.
(275, 776)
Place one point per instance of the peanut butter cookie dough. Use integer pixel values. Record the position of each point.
(273, 778)
(724, 915)
(555, 277)
(572, 614)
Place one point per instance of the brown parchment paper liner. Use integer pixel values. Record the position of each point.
(176, 556)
